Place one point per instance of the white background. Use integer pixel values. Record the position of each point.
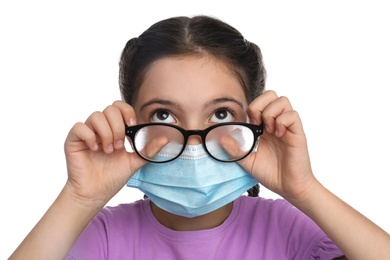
(58, 64)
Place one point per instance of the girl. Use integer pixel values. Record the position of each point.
(203, 131)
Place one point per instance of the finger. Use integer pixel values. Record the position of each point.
(81, 132)
(127, 112)
(99, 124)
(275, 109)
(232, 147)
(117, 125)
(288, 121)
(136, 163)
(257, 106)
(151, 149)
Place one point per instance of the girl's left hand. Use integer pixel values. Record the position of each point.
(282, 162)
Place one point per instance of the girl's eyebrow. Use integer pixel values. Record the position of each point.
(166, 102)
(225, 99)
(160, 102)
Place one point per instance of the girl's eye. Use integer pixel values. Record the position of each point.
(162, 116)
(222, 116)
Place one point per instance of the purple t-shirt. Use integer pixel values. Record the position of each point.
(257, 228)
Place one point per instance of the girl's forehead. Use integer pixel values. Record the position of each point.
(190, 78)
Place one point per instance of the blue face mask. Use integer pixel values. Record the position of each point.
(193, 184)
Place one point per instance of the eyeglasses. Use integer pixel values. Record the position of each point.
(225, 142)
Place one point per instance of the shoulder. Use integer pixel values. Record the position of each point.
(111, 228)
(128, 216)
(276, 220)
(267, 207)
(279, 221)
(122, 211)
(278, 212)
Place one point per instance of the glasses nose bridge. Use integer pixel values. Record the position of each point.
(199, 133)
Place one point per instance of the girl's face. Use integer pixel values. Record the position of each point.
(192, 92)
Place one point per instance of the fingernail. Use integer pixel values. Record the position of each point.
(132, 121)
(253, 121)
(110, 148)
(119, 144)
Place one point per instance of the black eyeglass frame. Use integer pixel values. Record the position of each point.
(257, 130)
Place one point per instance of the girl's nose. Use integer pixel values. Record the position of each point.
(194, 140)
(191, 125)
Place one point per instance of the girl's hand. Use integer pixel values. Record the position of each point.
(282, 162)
(98, 164)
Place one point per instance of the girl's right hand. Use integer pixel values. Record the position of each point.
(97, 161)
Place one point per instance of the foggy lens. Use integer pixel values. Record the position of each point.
(159, 142)
(229, 142)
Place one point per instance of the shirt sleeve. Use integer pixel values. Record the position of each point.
(325, 249)
(92, 243)
(305, 239)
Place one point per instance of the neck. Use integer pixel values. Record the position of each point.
(179, 223)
